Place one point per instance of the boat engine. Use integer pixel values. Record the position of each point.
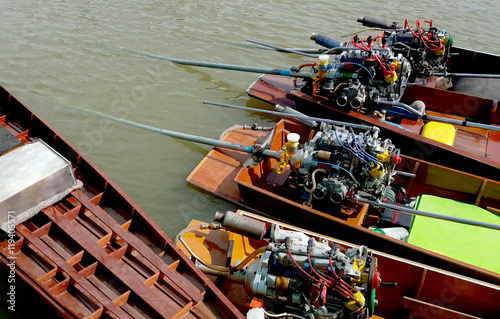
(314, 278)
(299, 275)
(337, 164)
(426, 49)
(360, 75)
(380, 67)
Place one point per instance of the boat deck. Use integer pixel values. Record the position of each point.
(217, 171)
(96, 254)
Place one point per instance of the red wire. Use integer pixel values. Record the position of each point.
(424, 38)
(428, 43)
(344, 289)
(337, 278)
(378, 37)
(363, 43)
(407, 25)
(355, 44)
(330, 283)
(300, 268)
(382, 64)
(338, 289)
(419, 28)
(307, 64)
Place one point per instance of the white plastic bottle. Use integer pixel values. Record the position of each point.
(400, 233)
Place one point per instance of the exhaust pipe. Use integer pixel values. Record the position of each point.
(342, 100)
(357, 102)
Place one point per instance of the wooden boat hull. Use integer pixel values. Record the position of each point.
(95, 253)
(475, 151)
(422, 291)
(221, 173)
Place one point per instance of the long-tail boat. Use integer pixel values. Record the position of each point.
(347, 176)
(79, 241)
(271, 269)
(472, 150)
(315, 193)
(392, 80)
(433, 56)
(472, 77)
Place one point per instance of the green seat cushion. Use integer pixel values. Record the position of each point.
(471, 244)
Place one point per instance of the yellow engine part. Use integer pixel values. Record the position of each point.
(282, 283)
(441, 132)
(397, 65)
(353, 305)
(390, 77)
(322, 69)
(440, 51)
(384, 157)
(284, 159)
(359, 265)
(289, 151)
(376, 171)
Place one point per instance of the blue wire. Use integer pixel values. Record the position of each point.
(361, 151)
(357, 153)
(374, 159)
(324, 163)
(370, 157)
(349, 150)
(358, 145)
(354, 63)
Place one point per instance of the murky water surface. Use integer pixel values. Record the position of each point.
(59, 57)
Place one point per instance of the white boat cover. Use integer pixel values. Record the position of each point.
(32, 177)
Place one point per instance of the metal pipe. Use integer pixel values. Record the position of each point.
(407, 174)
(356, 102)
(463, 123)
(289, 110)
(320, 191)
(283, 49)
(214, 267)
(342, 100)
(295, 115)
(428, 214)
(403, 105)
(469, 75)
(188, 137)
(242, 225)
(337, 196)
(228, 66)
(438, 118)
(377, 23)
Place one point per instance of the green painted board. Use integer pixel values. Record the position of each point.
(475, 245)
